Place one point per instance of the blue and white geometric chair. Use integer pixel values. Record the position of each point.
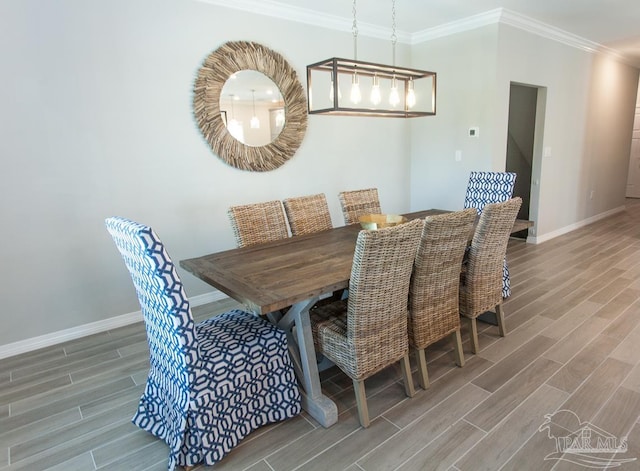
(210, 384)
(491, 187)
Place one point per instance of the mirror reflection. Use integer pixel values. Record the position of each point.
(252, 108)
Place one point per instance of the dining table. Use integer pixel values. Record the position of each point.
(282, 280)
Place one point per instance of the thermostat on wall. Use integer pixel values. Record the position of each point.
(474, 132)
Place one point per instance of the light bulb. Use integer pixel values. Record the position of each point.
(411, 94)
(235, 129)
(394, 97)
(331, 90)
(355, 96)
(376, 98)
(255, 122)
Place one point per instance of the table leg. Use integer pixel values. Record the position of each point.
(297, 324)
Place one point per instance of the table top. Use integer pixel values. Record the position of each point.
(272, 276)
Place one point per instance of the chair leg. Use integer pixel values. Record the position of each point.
(423, 376)
(457, 346)
(473, 332)
(500, 318)
(361, 400)
(405, 366)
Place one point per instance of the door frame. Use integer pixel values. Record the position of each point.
(538, 152)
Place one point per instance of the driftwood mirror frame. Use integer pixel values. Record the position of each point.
(225, 61)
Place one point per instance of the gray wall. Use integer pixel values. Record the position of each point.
(588, 134)
(96, 121)
(587, 123)
(466, 66)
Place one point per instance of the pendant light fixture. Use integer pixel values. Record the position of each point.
(233, 125)
(255, 122)
(410, 92)
(376, 95)
(331, 90)
(355, 94)
(394, 95)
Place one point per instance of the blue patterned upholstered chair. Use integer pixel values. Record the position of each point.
(210, 384)
(491, 187)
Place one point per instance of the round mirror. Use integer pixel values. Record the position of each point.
(252, 108)
(214, 116)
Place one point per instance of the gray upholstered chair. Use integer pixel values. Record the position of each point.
(357, 203)
(368, 331)
(210, 384)
(307, 214)
(258, 223)
(481, 278)
(434, 289)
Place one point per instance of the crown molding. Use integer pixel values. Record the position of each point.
(544, 30)
(539, 28)
(310, 17)
(278, 10)
(522, 22)
(466, 24)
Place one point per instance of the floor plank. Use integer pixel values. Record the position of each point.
(505, 439)
(414, 437)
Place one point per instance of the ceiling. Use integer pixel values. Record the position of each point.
(611, 23)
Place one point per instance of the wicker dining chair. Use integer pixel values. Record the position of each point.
(368, 331)
(485, 188)
(308, 214)
(481, 278)
(258, 223)
(434, 289)
(357, 203)
(212, 383)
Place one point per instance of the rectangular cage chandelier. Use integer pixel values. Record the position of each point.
(351, 87)
(357, 88)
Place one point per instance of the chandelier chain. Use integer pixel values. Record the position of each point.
(354, 29)
(394, 38)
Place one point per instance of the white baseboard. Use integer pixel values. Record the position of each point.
(585, 222)
(54, 338)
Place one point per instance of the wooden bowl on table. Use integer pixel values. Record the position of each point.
(378, 221)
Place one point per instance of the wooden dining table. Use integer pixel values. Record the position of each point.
(292, 274)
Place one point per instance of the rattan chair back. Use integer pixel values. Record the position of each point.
(258, 223)
(357, 203)
(481, 287)
(375, 330)
(368, 331)
(308, 214)
(433, 294)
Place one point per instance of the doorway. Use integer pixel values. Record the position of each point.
(521, 139)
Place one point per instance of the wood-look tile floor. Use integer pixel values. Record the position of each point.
(573, 344)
